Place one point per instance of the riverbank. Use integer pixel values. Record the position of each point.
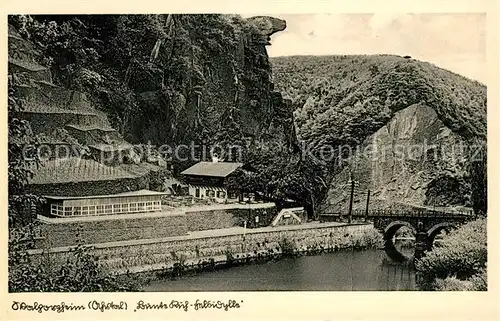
(287, 249)
(297, 241)
(215, 247)
(343, 238)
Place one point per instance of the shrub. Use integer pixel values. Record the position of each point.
(81, 273)
(462, 255)
(371, 238)
(288, 247)
(477, 282)
(229, 256)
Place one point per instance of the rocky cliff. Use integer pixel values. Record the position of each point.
(104, 83)
(403, 129)
(414, 159)
(170, 79)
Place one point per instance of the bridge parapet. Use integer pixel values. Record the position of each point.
(427, 225)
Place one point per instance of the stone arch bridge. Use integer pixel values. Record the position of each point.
(425, 223)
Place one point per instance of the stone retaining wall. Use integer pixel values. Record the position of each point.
(143, 255)
(218, 219)
(102, 231)
(57, 233)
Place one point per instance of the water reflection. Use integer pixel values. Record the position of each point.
(341, 271)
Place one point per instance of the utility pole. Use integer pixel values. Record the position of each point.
(352, 198)
(367, 203)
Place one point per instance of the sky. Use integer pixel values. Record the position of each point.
(456, 42)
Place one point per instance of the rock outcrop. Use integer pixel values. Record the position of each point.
(235, 92)
(413, 160)
(196, 90)
(267, 26)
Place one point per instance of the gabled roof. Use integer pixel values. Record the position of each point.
(219, 169)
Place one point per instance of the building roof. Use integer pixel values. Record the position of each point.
(219, 169)
(142, 192)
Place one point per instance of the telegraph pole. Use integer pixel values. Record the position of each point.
(352, 198)
(367, 203)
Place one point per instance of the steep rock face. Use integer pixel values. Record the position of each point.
(234, 94)
(169, 79)
(414, 159)
(203, 79)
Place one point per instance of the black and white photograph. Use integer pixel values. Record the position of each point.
(237, 152)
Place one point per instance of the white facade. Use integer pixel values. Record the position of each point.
(124, 203)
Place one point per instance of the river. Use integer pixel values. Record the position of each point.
(341, 271)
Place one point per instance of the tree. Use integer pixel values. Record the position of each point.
(22, 157)
(479, 177)
(279, 174)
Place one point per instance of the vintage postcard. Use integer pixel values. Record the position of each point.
(231, 163)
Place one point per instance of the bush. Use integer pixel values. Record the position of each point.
(371, 238)
(81, 273)
(461, 256)
(288, 247)
(477, 282)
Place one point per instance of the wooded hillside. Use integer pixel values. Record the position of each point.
(343, 99)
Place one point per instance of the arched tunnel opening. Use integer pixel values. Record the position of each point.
(390, 232)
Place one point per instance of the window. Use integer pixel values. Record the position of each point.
(197, 192)
(210, 193)
(68, 211)
(56, 210)
(108, 209)
(221, 194)
(77, 211)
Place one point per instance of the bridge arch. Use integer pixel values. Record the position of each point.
(435, 230)
(389, 247)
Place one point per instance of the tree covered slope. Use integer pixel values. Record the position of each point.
(384, 101)
(168, 79)
(343, 99)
